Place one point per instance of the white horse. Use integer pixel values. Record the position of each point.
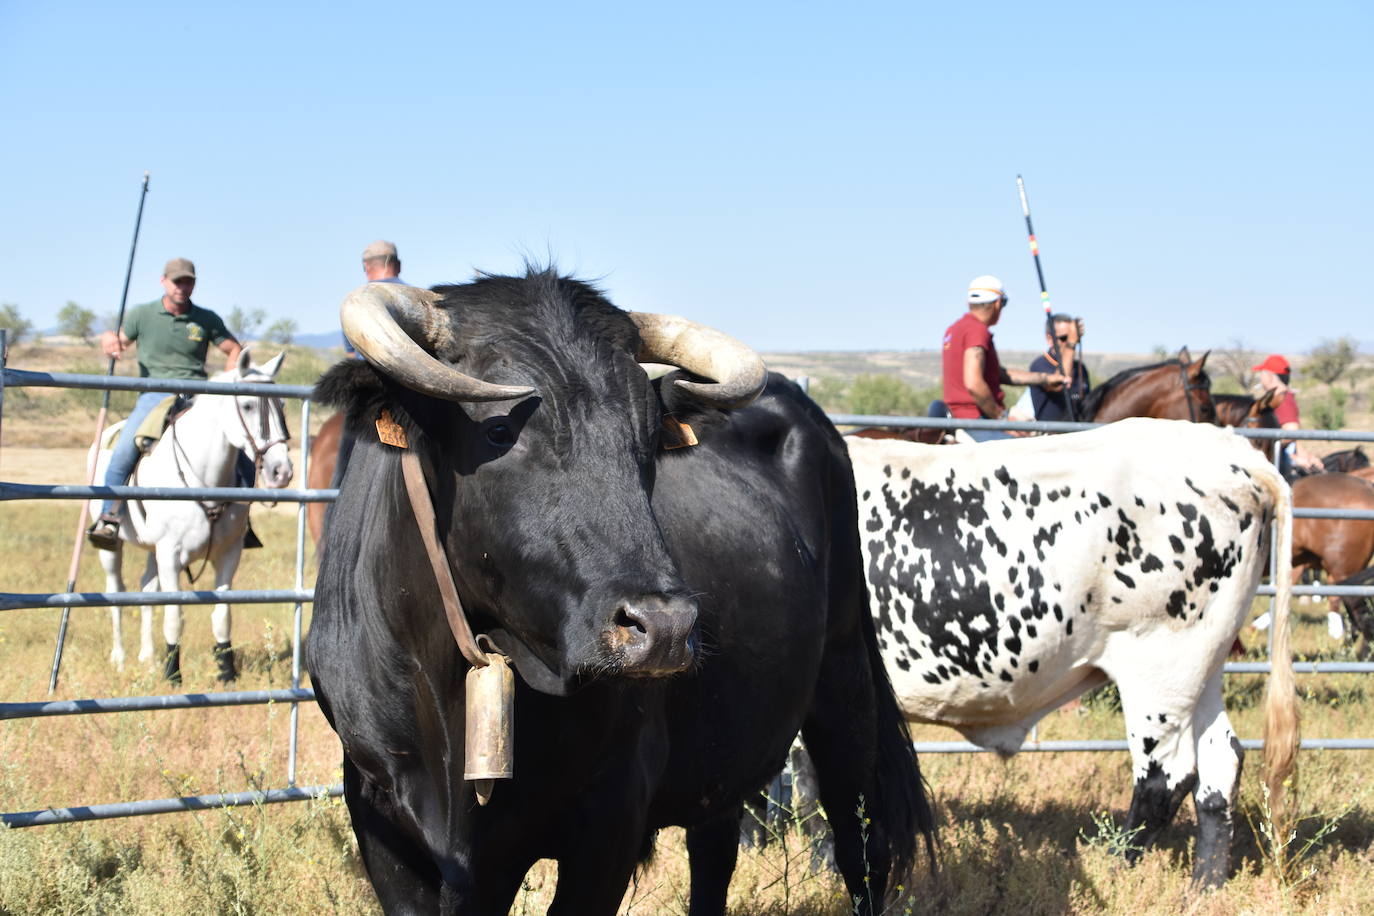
(200, 449)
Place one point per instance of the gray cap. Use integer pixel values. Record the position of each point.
(380, 249)
(178, 268)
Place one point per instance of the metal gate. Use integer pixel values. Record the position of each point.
(299, 595)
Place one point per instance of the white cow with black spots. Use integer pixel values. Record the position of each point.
(1011, 576)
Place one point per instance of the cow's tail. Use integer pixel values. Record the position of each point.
(901, 787)
(1281, 701)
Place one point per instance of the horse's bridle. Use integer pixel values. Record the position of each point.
(268, 408)
(1189, 387)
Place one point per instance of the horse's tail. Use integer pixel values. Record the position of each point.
(901, 788)
(1281, 701)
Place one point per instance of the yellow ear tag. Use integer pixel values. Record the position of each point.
(391, 432)
(677, 434)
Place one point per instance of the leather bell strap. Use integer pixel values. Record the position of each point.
(423, 507)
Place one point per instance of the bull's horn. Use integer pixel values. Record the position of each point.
(395, 326)
(737, 373)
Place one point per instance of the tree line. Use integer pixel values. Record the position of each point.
(75, 320)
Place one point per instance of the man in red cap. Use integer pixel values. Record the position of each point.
(1274, 373)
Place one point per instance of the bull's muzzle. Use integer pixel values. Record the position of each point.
(654, 636)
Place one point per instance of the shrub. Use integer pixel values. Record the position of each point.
(1329, 361)
(75, 321)
(18, 326)
(1329, 413)
(884, 394)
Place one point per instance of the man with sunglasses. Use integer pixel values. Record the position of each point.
(973, 375)
(1060, 356)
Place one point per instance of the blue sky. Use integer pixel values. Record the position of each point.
(803, 176)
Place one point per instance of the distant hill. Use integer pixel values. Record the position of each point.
(921, 368)
(323, 340)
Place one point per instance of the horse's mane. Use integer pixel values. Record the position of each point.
(1093, 402)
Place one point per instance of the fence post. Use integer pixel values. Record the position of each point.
(300, 584)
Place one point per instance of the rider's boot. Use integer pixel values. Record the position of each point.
(171, 663)
(104, 532)
(224, 658)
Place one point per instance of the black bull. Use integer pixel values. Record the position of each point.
(586, 550)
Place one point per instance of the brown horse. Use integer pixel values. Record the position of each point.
(1245, 411)
(908, 434)
(1176, 389)
(1339, 546)
(324, 455)
(1347, 460)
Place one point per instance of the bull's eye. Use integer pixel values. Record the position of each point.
(500, 435)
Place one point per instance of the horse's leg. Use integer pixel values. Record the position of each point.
(226, 564)
(112, 562)
(1219, 760)
(712, 849)
(148, 583)
(168, 556)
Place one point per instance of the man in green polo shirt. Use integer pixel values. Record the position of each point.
(173, 336)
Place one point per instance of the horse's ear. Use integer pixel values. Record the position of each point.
(1265, 402)
(245, 361)
(1184, 356)
(1196, 368)
(270, 368)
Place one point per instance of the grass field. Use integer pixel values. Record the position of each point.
(1028, 835)
(1031, 835)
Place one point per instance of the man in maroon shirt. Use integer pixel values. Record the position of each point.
(1274, 373)
(973, 376)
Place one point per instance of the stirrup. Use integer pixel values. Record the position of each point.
(104, 532)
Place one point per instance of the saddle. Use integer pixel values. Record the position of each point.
(156, 423)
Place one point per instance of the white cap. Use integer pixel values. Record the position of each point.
(985, 290)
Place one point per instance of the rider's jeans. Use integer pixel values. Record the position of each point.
(125, 453)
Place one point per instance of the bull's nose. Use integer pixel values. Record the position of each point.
(654, 635)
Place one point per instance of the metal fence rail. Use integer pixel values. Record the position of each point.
(299, 595)
(167, 805)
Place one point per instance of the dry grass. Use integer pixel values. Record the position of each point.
(1019, 836)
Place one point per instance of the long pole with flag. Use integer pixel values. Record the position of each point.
(1044, 294)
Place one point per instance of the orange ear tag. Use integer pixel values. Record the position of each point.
(391, 432)
(677, 434)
